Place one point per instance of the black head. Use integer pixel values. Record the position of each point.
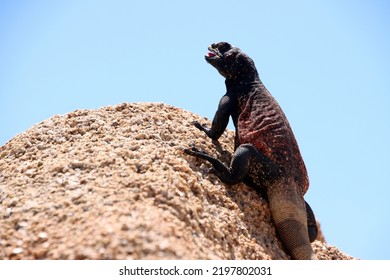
(231, 62)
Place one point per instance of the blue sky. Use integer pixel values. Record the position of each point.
(326, 62)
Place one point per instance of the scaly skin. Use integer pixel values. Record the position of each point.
(266, 154)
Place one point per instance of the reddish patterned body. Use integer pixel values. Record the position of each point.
(262, 123)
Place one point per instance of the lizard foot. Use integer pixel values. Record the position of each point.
(196, 152)
(218, 169)
(197, 125)
(202, 127)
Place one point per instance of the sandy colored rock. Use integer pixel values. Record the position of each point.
(113, 183)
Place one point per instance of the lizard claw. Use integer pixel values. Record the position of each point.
(198, 125)
(202, 127)
(193, 151)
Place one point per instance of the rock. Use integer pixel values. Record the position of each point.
(113, 183)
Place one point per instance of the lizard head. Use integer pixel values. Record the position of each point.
(230, 61)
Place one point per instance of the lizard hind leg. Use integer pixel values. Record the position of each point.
(239, 165)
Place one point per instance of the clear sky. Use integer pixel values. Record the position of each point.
(326, 62)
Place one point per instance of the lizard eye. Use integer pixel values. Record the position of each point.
(224, 47)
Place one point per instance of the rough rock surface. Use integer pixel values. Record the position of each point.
(113, 183)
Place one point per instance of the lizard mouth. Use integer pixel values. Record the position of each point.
(213, 53)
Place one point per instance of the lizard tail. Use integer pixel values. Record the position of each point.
(289, 214)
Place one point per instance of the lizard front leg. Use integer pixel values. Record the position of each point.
(221, 118)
